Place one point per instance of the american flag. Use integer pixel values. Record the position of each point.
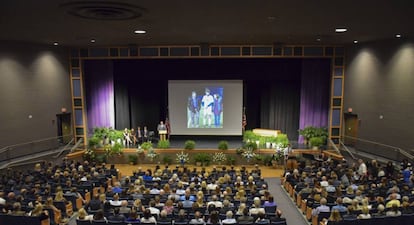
(167, 125)
(244, 119)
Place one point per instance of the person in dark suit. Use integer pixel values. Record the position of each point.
(145, 134)
(245, 218)
(117, 216)
(193, 106)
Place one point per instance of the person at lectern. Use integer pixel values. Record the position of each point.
(193, 106)
(207, 103)
(162, 131)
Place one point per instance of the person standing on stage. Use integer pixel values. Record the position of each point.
(162, 131)
(207, 104)
(139, 135)
(193, 106)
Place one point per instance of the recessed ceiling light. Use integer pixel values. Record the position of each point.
(355, 41)
(93, 40)
(140, 31)
(341, 30)
(318, 39)
(55, 43)
(398, 35)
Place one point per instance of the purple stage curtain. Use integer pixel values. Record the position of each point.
(314, 99)
(99, 86)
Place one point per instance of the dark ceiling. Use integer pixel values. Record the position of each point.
(168, 22)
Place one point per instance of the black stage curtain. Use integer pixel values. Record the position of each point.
(280, 107)
(122, 109)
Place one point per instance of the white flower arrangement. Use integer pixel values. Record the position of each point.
(219, 157)
(152, 154)
(182, 157)
(140, 150)
(248, 154)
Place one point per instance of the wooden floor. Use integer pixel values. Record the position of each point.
(127, 169)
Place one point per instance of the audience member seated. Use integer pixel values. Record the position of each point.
(83, 215)
(394, 211)
(197, 220)
(335, 217)
(164, 217)
(133, 217)
(214, 218)
(99, 216)
(261, 219)
(147, 217)
(229, 218)
(380, 211)
(322, 208)
(364, 213)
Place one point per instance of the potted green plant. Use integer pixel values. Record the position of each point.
(93, 142)
(167, 159)
(231, 160)
(249, 136)
(267, 160)
(307, 133)
(164, 144)
(202, 159)
(282, 141)
(223, 145)
(146, 145)
(250, 145)
(189, 145)
(133, 159)
(316, 142)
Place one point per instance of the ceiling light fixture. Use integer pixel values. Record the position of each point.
(55, 43)
(318, 39)
(398, 35)
(140, 31)
(93, 40)
(355, 41)
(341, 30)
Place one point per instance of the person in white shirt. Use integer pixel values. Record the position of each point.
(115, 202)
(215, 201)
(207, 103)
(229, 218)
(362, 169)
(153, 209)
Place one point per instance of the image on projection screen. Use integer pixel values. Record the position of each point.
(205, 108)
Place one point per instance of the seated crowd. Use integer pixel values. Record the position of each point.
(159, 196)
(337, 191)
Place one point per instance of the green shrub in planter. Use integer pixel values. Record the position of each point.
(316, 141)
(133, 159)
(231, 160)
(189, 145)
(146, 145)
(167, 160)
(203, 158)
(223, 145)
(163, 144)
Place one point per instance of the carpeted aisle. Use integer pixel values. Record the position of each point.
(285, 203)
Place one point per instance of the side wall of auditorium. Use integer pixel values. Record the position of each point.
(379, 89)
(34, 81)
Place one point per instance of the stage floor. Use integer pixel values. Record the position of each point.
(206, 142)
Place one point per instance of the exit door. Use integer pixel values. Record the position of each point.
(351, 129)
(64, 127)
